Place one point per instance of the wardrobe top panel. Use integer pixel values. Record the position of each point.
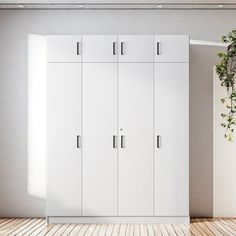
(117, 48)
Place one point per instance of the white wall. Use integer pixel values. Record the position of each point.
(224, 160)
(14, 29)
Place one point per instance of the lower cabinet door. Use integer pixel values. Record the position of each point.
(135, 168)
(63, 131)
(99, 139)
(171, 139)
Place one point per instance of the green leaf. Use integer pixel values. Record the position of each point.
(226, 72)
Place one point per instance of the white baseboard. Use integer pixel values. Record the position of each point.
(118, 220)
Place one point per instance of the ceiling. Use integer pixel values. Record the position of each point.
(119, 4)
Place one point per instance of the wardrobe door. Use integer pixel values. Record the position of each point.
(136, 48)
(100, 48)
(64, 48)
(63, 134)
(171, 48)
(171, 139)
(99, 139)
(136, 139)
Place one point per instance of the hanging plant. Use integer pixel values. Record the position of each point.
(226, 71)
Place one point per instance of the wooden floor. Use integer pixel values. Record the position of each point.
(198, 227)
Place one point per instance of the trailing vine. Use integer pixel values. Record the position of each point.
(226, 71)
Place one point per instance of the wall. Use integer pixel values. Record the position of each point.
(224, 160)
(202, 60)
(14, 28)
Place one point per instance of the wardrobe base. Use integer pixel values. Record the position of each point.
(118, 220)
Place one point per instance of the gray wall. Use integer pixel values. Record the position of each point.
(14, 28)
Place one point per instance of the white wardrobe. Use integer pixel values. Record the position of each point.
(117, 128)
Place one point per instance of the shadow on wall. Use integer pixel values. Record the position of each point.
(202, 60)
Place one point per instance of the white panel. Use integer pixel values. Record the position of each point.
(172, 48)
(64, 48)
(37, 115)
(63, 126)
(172, 124)
(120, 220)
(136, 124)
(100, 48)
(136, 48)
(99, 126)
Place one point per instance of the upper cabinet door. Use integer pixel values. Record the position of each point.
(100, 48)
(64, 48)
(136, 48)
(171, 48)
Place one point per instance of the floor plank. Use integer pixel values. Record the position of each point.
(226, 223)
(170, 230)
(178, 230)
(186, 229)
(143, 230)
(157, 229)
(9, 224)
(53, 230)
(76, 230)
(21, 224)
(164, 231)
(109, 229)
(122, 230)
(216, 231)
(90, 230)
(84, 229)
(197, 227)
(150, 230)
(6, 221)
(136, 230)
(41, 230)
(23, 230)
(103, 230)
(220, 227)
(202, 228)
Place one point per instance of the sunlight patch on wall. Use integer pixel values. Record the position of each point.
(36, 116)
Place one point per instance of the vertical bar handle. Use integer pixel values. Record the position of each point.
(158, 141)
(122, 48)
(78, 48)
(114, 48)
(122, 143)
(78, 141)
(158, 48)
(114, 139)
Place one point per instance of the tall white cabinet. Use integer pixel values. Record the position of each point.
(117, 128)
